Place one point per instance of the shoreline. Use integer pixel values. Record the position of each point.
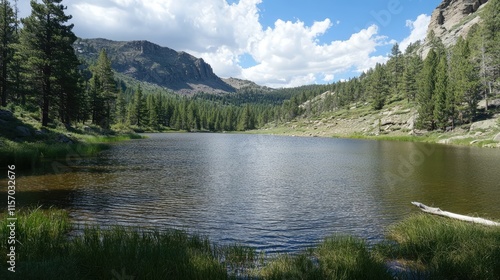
(420, 244)
(394, 124)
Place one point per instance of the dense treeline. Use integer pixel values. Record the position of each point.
(41, 72)
(38, 51)
(445, 87)
(157, 110)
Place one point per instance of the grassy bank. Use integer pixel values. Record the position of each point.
(26, 155)
(44, 251)
(442, 248)
(433, 247)
(337, 257)
(25, 143)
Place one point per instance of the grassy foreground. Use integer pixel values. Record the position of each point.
(429, 247)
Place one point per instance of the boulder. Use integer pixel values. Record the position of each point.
(40, 132)
(497, 138)
(493, 103)
(64, 139)
(6, 115)
(87, 129)
(411, 122)
(483, 124)
(23, 131)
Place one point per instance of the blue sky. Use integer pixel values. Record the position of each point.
(348, 17)
(276, 43)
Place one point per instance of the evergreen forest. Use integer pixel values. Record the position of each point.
(42, 73)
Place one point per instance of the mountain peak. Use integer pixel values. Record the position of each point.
(149, 62)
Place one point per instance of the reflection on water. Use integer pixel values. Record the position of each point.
(274, 193)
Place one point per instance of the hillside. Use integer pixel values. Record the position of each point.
(449, 97)
(151, 63)
(396, 121)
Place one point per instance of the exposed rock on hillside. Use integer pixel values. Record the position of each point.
(454, 18)
(148, 62)
(245, 84)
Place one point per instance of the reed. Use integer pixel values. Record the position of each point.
(46, 251)
(430, 247)
(445, 248)
(337, 257)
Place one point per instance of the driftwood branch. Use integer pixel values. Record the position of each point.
(437, 211)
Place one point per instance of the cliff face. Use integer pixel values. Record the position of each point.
(148, 62)
(454, 18)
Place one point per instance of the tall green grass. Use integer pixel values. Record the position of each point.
(38, 231)
(429, 247)
(446, 248)
(46, 251)
(337, 257)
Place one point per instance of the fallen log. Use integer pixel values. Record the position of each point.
(437, 211)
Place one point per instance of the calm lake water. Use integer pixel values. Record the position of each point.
(278, 194)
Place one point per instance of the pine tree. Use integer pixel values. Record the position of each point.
(491, 27)
(395, 71)
(152, 105)
(137, 110)
(70, 97)
(379, 87)
(103, 91)
(121, 108)
(476, 41)
(441, 113)
(464, 80)
(45, 47)
(8, 23)
(413, 66)
(426, 86)
(192, 116)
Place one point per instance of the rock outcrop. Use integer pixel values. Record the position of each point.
(454, 18)
(148, 62)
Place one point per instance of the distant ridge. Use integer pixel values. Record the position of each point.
(148, 62)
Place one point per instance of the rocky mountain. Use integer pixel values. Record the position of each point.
(148, 62)
(454, 18)
(246, 84)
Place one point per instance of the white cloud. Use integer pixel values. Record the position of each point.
(418, 30)
(328, 78)
(290, 53)
(286, 54)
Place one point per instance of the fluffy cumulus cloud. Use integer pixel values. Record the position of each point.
(289, 54)
(286, 54)
(418, 30)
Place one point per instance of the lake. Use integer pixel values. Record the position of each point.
(274, 193)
